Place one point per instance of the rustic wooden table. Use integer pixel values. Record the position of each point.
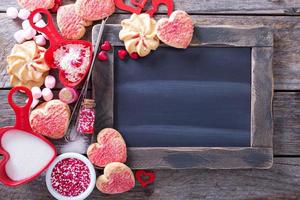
(282, 181)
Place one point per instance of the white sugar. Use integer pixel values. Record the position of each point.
(28, 154)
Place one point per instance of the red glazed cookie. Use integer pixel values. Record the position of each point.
(94, 9)
(34, 4)
(70, 24)
(177, 31)
(110, 147)
(50, 119)
(116, 178)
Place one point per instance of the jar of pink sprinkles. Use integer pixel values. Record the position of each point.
(71, 176)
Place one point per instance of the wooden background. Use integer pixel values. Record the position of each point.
(280, 182)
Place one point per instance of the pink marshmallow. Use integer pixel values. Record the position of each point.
(23, 14)
(29, 33)
(40, 40)
(50, 81)
(12, 12)
(36, 92)
(19, 36)
(47, 94)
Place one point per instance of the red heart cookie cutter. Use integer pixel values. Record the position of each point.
(22, 124)
(138, 6)
(57, 41)
(149, 177)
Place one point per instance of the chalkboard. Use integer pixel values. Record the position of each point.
(208, 106)
(196, 97)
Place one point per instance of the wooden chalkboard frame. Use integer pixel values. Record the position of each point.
(258, 155)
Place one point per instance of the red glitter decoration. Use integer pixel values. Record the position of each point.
(102, 56)
(137, 6)
(106, 46)
(145, 177)
(57, 4)
(86, 121)
(134, 56)
(122, 54)
(70, 177)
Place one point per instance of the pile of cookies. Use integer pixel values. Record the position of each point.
(110, 153)
(73, 18)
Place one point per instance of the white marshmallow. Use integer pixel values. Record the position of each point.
(12, 12)
(41, 23)
(37, 17)
(40, 40)
(26, 24)
(34, 103)
(23, 14)
(50, 81)
(36, 92)
(19, 36)
(29, 33)
(47, 94)
(45, 36)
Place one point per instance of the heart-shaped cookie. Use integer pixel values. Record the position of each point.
(116, 178)
(94, 9)
(34, 4)
(177, 31)
(50, 119)
(70, 24)
(110, 147)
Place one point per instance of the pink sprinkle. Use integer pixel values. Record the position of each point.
(86, 121)
(70, 177)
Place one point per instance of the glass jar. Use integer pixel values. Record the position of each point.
(86, 118)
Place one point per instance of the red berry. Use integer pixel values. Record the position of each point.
(122, 54)
(106, 46)
(134, 56)
(102, 56)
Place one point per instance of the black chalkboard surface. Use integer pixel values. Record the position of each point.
(198, 97)
(209, 106)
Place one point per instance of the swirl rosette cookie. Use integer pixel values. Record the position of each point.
(139, 34)
(26, 65)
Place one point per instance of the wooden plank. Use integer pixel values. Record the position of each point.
(197, 157)
(286, 112)
(261, 97)
(287, 7)
(286, 121)
(286, 63)
(282, 181)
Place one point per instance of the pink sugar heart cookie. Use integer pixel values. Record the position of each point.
(94, 9)
(50, 119)
(177, 31)
(34, 4)
(116, 178)
(70, 24)
(110, 147)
